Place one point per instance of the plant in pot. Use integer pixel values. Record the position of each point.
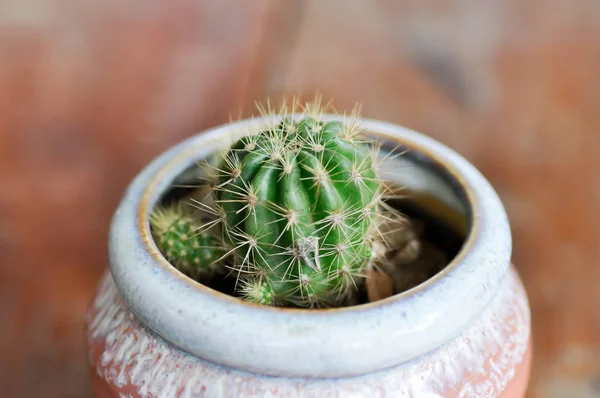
(320, 255)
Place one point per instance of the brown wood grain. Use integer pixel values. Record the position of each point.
(91, 92)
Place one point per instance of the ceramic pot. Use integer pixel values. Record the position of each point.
(465, 332)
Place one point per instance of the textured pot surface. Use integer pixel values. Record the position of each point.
(465, 332)
(488, 359)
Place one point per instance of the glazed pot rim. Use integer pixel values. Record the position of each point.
(231, 332)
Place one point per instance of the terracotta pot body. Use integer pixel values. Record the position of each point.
(152, 332)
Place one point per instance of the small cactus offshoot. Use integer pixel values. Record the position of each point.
(179, 237)
(298, 207)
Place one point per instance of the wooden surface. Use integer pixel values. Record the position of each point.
(89, 93)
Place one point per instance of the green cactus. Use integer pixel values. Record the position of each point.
(180, 238)
(294, 212)
(299, 205)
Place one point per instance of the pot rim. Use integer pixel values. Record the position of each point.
(298, 342)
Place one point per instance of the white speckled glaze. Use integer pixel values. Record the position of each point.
(465, 331)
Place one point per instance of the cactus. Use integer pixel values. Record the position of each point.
(300, 204)
(177, 232)
(294, 210)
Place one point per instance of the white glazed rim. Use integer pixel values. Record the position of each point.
(306, 343)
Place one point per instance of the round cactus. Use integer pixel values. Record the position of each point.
(299, 204)
(180, 239)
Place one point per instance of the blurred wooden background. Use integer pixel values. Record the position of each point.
(91, 91)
